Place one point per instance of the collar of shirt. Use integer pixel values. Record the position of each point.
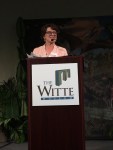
(53, 52)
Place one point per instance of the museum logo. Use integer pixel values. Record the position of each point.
(61, 75)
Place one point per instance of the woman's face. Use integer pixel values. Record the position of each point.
(50, 35)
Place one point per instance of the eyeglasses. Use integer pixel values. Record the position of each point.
(50, 32)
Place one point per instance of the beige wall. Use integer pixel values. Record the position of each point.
(34, 9)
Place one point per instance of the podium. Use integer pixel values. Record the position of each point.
(55, 103)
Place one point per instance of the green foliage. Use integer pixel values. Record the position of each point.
(9, 102)
(21, 76)
(13, 95)
(15, 128)
(20, 30)
(111, 132)
(12, 121)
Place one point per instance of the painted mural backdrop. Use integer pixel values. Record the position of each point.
(91, 37)
(95, 44)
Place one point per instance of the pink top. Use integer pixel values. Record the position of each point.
(56, 52)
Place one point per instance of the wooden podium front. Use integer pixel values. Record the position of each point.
(59, 127)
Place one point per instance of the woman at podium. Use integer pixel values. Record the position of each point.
(49, 34)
